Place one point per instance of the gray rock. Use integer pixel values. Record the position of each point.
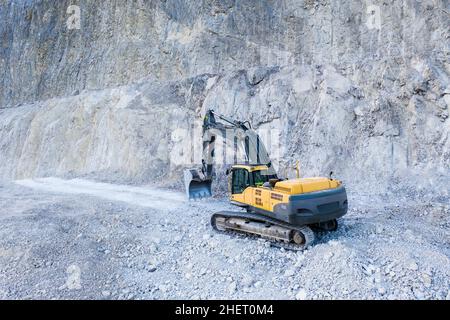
(232, 287)
(412, 265)
(289, 272)
(301, 295)
(106, 293)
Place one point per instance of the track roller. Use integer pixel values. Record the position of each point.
(278, 233)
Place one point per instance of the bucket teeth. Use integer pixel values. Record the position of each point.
(196, 187)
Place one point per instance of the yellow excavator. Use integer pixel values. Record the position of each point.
(284, 211)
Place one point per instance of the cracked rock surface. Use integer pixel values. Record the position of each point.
(328, 84)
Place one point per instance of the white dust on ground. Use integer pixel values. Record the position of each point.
(142, 196)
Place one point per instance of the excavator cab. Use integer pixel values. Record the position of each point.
(244, 176)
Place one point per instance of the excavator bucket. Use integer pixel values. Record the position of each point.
(196, 187)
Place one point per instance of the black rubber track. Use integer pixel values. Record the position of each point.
(305, 230)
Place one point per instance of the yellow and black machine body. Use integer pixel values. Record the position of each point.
(301, 201)
(284, 211)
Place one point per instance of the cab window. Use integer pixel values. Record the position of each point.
(261, 176)
(240, 180)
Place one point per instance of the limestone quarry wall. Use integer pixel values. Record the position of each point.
(358, 88)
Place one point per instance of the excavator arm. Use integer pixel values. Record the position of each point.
(237, 134)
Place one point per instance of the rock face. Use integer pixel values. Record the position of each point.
(361, 89)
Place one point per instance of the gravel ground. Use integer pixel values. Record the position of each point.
(76, 239)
